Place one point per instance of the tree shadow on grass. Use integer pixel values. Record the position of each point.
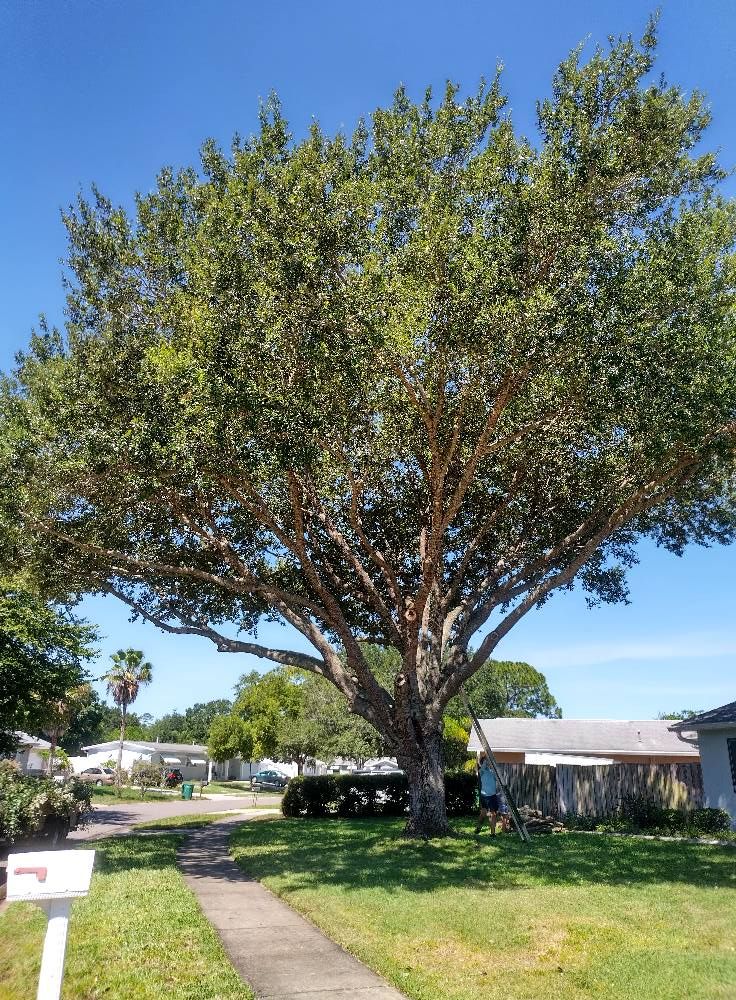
(133, 853)
(362, 854)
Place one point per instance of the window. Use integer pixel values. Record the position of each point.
(731, 744)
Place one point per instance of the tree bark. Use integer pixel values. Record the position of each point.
(425, 773)
(118, 774)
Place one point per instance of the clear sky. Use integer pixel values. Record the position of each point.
(108, 92)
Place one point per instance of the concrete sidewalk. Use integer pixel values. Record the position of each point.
(277, 952)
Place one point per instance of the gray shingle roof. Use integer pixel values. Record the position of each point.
(721, 716)
(596, 737)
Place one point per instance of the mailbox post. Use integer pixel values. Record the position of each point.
(51, 879)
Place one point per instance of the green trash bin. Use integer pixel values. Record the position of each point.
(187, 790)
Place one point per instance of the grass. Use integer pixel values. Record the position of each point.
(139, 934)
(571, 916)
(235, 788)
(189, 822)
(109, 793)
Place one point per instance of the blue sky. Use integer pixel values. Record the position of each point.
(108, 92)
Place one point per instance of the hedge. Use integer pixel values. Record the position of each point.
(360, 796)
(37, 806)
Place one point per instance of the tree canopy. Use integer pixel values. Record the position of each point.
(396, 387)
(507, 688)
(44, 651)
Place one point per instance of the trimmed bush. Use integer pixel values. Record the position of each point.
(360, 796)
(639, 814)
(710, 820)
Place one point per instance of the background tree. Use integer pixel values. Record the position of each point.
(270, 704)
(503, 688)
(190, 726)
(43, 653)
(229, 737)
(60, 714)
(88, 724)
(124, 679)
(684, 713)
(398, 388)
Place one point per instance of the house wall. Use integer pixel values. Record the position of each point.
(717, 779)
(97, 758)
(189, 772)
(30, 761)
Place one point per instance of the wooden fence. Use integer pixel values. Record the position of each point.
(599, 790)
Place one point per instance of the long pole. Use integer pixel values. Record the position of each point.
(515, 814)
(54, 949)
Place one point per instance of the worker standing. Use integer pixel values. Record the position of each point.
(488, 788)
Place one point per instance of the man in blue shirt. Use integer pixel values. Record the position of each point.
(489, 801)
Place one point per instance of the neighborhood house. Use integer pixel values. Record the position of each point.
(716, 740)
(191, 759)
(584, 741)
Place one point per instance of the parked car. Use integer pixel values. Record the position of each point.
(98, 775)
(269, 779)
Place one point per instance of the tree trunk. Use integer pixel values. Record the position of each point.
(52, 754)
(425, 772)
(118, 773)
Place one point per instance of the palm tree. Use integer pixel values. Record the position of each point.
(60, 715)
(124, 679)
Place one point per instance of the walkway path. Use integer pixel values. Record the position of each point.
(280, 954)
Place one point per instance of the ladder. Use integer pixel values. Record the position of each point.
(515, 814)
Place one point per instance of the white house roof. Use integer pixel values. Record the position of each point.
(32, 741)
(184, 749)
(589, 737)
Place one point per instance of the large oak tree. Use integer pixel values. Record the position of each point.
(394, 388)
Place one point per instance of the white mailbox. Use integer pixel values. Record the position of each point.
(41, 875)
(52, 879)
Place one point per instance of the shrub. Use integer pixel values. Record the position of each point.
(641, 814)
(145, 775)
(366, 795)
(38, 806)
(710, 820)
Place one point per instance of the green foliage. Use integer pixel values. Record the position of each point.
(455, 735)
(27, 805)
(684, 713)
(504, 688)
(640, 814)
(43, 652)
(190, 726)
(128, 673)
(365, 795)
(229, 737)
(390, 387)
(144, 775)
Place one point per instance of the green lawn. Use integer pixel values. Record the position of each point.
(570, 917)
(108, 793)
(236, 788)
(140, 934)
(189, 821)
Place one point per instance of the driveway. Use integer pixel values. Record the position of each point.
(118, 817)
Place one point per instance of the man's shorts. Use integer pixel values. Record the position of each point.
(489, 802)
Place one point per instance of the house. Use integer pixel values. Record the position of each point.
(191, 759)
(716, 737)
(238, 769)
(584, 741)
(28, 755)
